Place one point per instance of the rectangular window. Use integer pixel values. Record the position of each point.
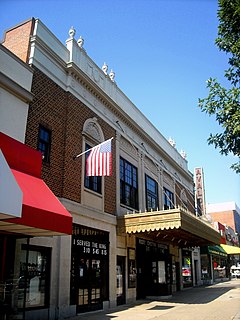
(44, 143)
(34, 280)
(168, 199)
(128, 184)
(151, 194)
(93, 183)
(132, 270)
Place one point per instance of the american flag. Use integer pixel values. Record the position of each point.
(99, 160)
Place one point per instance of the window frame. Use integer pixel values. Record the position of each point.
(168, 202)
(151, 194)
(93, 183)
(128, 184)
(46, 150)
(26, 275)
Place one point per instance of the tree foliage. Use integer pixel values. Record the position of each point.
(221, 102)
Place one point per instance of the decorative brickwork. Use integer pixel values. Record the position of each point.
(17, 39)
(65, 115)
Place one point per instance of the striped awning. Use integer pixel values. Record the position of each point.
(175, 226)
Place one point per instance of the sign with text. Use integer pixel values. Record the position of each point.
(199, 192)
(91, 247)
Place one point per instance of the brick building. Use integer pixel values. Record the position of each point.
(227, 213)
(133, 232)
(28, 208)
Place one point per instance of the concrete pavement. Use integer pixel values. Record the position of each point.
(220, 301)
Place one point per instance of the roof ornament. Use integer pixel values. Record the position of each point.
(80, 42)
(172, 142)
(105, 68)
(183, 154)
(112, 75)
(72, 32)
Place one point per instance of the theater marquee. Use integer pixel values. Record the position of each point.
(200, 192)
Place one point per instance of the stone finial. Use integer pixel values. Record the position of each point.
(72, 32)
(172, 142)
(80, 42)
(183, 154)
(105, 68)
(112, 75)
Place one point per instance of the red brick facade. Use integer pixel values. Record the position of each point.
(17, 39)
(225, 217)
(64, 115)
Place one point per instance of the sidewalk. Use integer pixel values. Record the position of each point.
(220, 301)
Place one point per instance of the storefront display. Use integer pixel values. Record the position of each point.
(132, 272)
(187, 268)
(27, 277)
(90, 270)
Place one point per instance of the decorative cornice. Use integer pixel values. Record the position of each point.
(13, 87)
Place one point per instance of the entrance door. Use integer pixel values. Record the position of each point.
(89, 286)
(178, 278)
(121, 299)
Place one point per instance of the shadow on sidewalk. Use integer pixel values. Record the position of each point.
(196, 295)
(203, 294)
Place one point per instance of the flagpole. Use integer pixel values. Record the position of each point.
(82, 153)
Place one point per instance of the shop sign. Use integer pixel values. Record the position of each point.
(200, 192)
(151, 244)
(91, 247)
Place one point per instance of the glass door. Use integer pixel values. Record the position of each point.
(89, 285)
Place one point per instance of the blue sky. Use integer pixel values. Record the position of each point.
(162, 52)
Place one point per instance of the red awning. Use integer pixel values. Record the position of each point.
(42, 213)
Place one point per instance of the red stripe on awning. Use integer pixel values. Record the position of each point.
(41, 208)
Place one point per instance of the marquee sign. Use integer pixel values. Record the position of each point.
(199, 192)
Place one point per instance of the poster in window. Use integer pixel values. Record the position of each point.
(131, 268)
(161, 272)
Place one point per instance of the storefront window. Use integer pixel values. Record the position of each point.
(33, 277)
(205, 267)
(219, 267)
(25, 277)
(187, 269)
(132, 271)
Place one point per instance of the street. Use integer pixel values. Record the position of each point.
(220, 301)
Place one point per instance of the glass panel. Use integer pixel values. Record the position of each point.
(161, 272)
(128, 173)
(119, 281)
(93, 183)
(168, 199)
(186, 271)
(134, 177)
(128, 184)
(96, 281)
(121, 170)
(35, 280)
(127, 195)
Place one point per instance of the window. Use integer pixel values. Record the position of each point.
(151, 194)
(44, 143)
(34, 280)
(92, 183)
(168, 199)
(128, 184)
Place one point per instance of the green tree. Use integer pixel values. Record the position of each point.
(222, 102)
